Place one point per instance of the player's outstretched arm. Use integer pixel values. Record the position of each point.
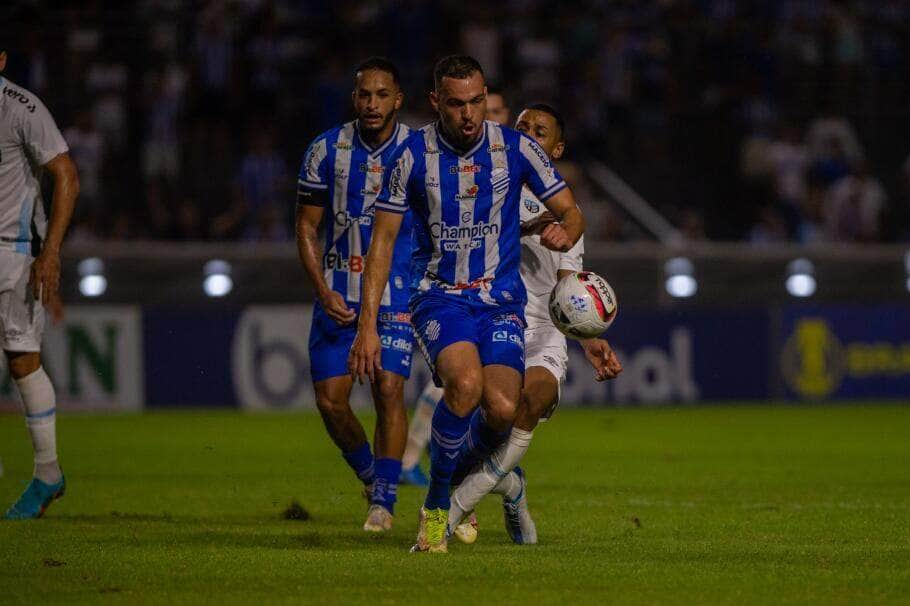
(310, 253)
(365, 360)
(563, 235)
(45, 272)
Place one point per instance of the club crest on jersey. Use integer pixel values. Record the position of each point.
(500, 180)
(532, 205)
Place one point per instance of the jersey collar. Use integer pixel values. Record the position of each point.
(454, 150)
(378, 151)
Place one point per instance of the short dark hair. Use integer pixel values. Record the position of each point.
(549, 109)
(382, 64)
(455, 66)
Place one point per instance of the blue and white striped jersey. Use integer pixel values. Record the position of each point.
(466, 209)
(345, 175)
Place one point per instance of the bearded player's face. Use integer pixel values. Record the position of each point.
(377, 99)
(462, 105)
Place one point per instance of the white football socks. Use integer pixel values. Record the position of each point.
(421, 424)
(485, 478)
(509, 487)
(40, 405)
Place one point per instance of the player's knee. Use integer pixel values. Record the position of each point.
(463, 392)
(500, 410)
(388, 393)
(331, 406)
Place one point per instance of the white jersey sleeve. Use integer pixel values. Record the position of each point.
(573, 259)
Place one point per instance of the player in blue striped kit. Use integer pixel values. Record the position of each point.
(461, 177)
(340, 178)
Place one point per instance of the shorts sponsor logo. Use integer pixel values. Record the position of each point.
(398, 282)
(432, 330)
(400, 317)
(504, 336)
(551, 361)
(397, 343)
(507, 319)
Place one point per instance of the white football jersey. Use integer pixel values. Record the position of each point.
(29, 139)
(540, 264)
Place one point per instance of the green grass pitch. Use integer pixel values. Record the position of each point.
(735, 505)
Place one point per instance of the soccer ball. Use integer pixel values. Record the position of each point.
(583, 305)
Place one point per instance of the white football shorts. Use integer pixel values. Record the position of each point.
(21, 316)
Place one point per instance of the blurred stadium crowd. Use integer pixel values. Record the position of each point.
(763, 121)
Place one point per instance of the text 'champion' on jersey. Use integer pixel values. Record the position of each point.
(466, 208)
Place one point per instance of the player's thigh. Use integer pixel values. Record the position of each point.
(501, 393)
(329, 346)
(446, 331)
(21, 315)
(546, 361)
(500, 338)
(540, 393)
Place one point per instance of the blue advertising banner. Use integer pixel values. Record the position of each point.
(679, 357)
(832, 352)
(188, 357)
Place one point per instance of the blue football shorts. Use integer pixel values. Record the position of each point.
(330, 344)
(496, 330)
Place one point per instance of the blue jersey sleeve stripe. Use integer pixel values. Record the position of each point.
(553, 191)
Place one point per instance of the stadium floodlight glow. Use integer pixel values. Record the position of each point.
(92, 282)
(217, 282)
(93, 285)
(801, 278)
(681, 282)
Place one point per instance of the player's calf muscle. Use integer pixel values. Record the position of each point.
(540, 391)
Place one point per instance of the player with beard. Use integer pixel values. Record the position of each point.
(462, 178)
(341, 175)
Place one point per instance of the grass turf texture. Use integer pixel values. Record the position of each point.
(734, 505)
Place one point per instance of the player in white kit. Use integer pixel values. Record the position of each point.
(31, 143)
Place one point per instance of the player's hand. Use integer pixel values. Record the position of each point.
(44, 279)
(602, 358)
(365, 359)
(554, 237)
(537, 224)
(335, 307)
